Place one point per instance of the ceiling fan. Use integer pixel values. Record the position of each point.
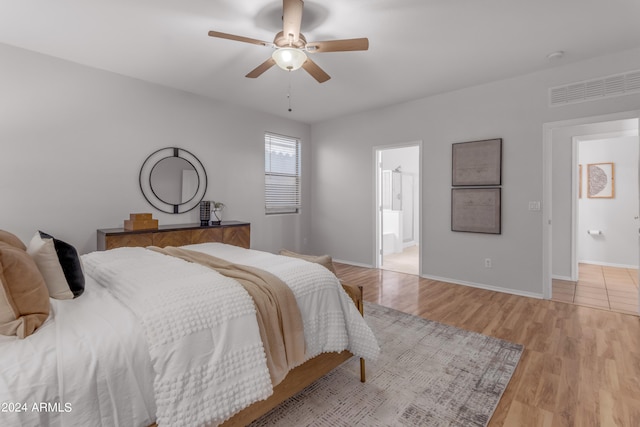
(291, 47)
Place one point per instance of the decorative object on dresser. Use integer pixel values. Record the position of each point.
(205, 212)
(217, 212)
(140, 221)
(232, 232)
(173, 180)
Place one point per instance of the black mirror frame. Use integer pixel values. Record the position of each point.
(147, 189)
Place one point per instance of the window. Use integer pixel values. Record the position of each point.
(281, 174)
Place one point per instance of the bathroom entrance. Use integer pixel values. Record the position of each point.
(398, 208)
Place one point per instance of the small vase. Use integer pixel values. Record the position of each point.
(217, 213)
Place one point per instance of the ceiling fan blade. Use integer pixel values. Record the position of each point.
(256, 72)
(339, 45)
(292, 18)
(315, 71)
(237, 38)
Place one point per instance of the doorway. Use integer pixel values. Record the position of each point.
(591, 249)
(398, 207)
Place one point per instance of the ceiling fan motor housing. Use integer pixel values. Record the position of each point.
(281, 40)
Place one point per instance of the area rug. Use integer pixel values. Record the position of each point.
(428, 374)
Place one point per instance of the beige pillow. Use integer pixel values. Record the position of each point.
(43, 252)
(24, 299)
(11, 239)
(323, 260)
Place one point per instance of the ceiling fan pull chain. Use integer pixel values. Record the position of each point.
(289, 91)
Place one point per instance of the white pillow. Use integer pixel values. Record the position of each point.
(43, 252)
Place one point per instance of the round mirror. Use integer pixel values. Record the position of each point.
(173, 180)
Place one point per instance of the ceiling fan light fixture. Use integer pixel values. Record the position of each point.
(289, 58)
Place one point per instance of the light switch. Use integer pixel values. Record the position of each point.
(534, 206)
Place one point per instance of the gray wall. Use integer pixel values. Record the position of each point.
(74, 138)
(513, 109)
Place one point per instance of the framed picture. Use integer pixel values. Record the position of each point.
(477, 163)
(476, 210)
(601, 181)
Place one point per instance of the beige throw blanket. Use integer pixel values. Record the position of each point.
(278, 315)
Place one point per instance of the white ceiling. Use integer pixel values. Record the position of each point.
(417, 47)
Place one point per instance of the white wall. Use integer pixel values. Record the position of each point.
(513, 109)
(73, 140)
(616, 217)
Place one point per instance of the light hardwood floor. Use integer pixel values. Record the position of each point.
(580, 366)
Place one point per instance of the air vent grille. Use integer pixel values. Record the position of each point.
(589, 90)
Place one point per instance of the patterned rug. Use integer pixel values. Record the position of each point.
(428, 374)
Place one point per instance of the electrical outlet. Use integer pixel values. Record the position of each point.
(487, 262)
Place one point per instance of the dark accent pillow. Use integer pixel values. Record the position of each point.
(70, 263)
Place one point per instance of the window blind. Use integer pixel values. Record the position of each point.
(281, 174)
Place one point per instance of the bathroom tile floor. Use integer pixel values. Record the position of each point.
(406, 261)
(607, 288)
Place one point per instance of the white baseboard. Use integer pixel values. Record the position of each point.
(565, 278)
(459, 282)
(487, 287)
(355, 264)
(608, 264)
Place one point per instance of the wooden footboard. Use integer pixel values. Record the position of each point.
(296, 380)
(299, 378)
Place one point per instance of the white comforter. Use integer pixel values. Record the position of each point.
(98, 357)
(201, 331)
(88, 365)
(331, 320)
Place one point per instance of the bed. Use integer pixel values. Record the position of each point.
(117, 356)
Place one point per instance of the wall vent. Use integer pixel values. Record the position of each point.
(589, 90)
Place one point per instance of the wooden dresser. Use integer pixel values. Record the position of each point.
(232, 232)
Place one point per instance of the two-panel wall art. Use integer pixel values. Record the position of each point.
(476, 179)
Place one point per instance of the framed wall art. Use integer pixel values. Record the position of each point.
(601, 181)
(477, 163)
(476, 210)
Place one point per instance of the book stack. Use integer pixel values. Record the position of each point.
(140, 221)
